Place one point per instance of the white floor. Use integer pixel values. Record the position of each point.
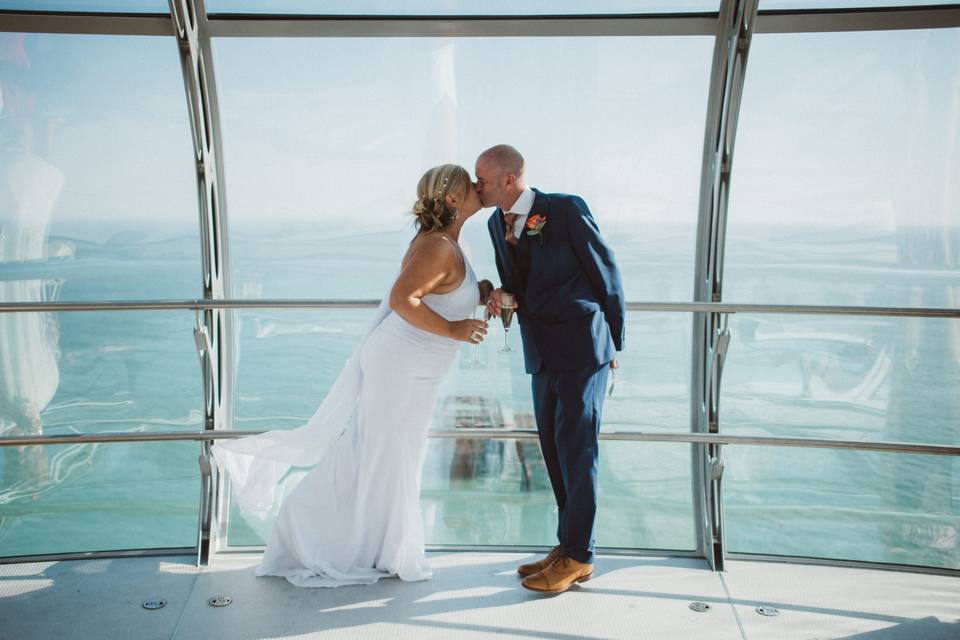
(475, 595)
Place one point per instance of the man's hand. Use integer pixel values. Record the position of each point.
(614, 364)
(494, 302)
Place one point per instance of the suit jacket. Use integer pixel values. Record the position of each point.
(569, 292)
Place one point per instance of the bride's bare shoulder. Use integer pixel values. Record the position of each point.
(430, 247)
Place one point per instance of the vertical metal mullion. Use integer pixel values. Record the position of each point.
(726, 80)
(197, 77)
(227, 337)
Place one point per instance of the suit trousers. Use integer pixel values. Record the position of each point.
(568, 407)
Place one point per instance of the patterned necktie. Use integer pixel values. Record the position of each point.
(508, 220)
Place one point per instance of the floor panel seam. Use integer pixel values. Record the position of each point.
(736, 616)
(186, 603)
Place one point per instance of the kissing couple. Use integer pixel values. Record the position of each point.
(343, 490)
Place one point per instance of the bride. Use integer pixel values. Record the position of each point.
(343, 490)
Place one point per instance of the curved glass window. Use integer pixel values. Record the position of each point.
(98, 192)
(288, 359)
(70, 373)
(843, 188)
(877, 379)
(326, 138)
(842, 504)
(460, 7)
(886, 379)
(98, 497)
(323, 159)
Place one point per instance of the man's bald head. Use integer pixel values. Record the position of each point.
(506, 158)
(500, 176)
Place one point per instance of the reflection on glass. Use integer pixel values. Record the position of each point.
(114, 371)
(29, 188)
(878, 379)
(496, 492)
(104, 497)
(869, 506)
(887, 379)
(98, 199)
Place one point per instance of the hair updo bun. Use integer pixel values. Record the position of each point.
(431, 210)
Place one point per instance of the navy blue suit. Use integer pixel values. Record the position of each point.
(571, 315)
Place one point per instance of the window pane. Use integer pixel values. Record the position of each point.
(844, 188)
(852, 505)
(460, 7)
(877, 379)
(882, 379)
(496, 492)
(92, 6)
(289, 359)
(83, 372)
(324, 157)
(98, 193)
(98, 497)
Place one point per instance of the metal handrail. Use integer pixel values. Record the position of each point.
(510, 434)
(313, 303)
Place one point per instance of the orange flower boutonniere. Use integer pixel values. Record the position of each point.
(535, 225)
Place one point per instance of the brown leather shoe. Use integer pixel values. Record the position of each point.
(538, 566)
(559, 576)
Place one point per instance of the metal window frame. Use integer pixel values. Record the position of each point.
(507, 434)
(213, 331)
(731, 27)
(200, 304)
(238, 25)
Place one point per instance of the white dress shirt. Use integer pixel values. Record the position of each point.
(522, 208)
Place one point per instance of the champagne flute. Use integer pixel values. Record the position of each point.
(508, 305)
(479, 313)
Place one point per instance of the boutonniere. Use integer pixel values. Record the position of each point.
(535, 225)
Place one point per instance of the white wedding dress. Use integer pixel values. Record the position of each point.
(345, 486)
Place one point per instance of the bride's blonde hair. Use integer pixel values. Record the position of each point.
(430, 209)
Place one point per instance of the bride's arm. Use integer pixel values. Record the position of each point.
(426, 267)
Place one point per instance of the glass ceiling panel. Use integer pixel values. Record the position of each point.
(772, 5)
(88, 6)
(460, 7)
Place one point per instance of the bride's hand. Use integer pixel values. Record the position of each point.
(469, 330)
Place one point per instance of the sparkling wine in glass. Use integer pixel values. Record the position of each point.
(508, 306)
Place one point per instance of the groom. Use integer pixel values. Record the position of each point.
(571, 311)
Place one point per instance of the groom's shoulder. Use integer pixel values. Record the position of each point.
(565, 201)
